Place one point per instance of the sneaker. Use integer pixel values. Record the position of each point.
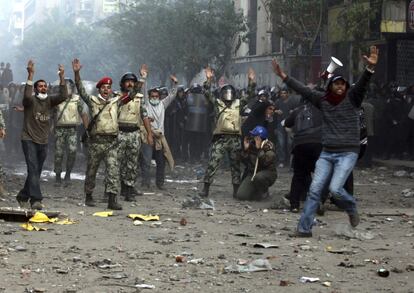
(294, 210)
(37, 205)
(281, 165)
(354, 219)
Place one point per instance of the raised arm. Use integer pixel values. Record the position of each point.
(173, 93)
(76, 65)
(28, 89)
(311, 95)
(63, 90)
(251, 88)
(207, 85)
(357, 92)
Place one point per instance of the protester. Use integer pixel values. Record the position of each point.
(35, 132)
(156, 108)
(340, 139)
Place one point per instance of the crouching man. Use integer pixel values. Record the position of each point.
(259, 156)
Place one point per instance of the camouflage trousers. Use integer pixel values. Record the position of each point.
(65, 141)
(222, 144)
(128, 153)
(103, 148)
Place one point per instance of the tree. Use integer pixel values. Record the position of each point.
(299, 23)
(354, 25)
(178, 36)
(56, 42)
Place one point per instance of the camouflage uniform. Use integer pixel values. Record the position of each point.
(102, 148)
(265, 176)
(225, 143)
(66, 140)
(102, 145)
(130, 142)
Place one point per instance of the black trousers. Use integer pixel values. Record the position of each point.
(304, 159)
(35, 155)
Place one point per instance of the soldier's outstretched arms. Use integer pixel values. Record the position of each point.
(207, 85)
(77, 66)
(313, 96)
(251, 88)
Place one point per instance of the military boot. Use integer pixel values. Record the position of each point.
(130, 194)
(205, 191)
(235, 189)
(67, 179)
(124, 190)
(89, 200)
(135, 192)
(58, 180)
(112, 202)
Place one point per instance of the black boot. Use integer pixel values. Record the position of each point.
(135, 192)
(130, 194)
(112, 202)
(89, 200)
(67, 179)
(206, 190)
(235, 189)
(124, 190)
(58, 181)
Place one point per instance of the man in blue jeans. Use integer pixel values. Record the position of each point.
(36, 132)
(340, 140)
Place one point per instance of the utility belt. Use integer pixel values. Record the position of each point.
(103, 138)
(128, 128)
(66, 126)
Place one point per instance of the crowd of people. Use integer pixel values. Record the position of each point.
(318, 131)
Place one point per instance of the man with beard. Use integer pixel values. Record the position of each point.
(340, 140)
(131, 116)
(36, 132)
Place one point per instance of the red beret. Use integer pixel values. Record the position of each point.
(104, 80)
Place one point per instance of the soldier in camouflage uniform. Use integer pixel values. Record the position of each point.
(2, 135)
(68, 118)
(103, 137)
(131, 116)
(227, 133)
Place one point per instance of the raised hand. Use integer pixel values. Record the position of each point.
(277, 69)
(251, 75)
(209, 73)
(61, 71)
(143, 71)
(372, 59)
(76, 65)
(174, 79)
(30, 67)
